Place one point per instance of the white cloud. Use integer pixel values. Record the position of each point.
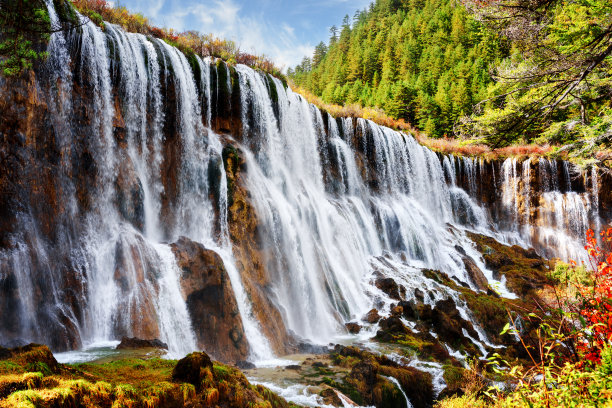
(251, 27)
(252, 33)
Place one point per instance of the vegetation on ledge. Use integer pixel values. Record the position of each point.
(30, 377)
(569, 361)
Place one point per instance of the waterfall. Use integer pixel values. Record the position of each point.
(557, 225)
(340, 202)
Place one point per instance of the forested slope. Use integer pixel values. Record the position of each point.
(425, 61)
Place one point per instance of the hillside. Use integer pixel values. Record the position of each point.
(423, 61)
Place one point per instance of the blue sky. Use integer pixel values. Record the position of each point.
(284, 30)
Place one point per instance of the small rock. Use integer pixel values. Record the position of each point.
(397, 311)
(330, 397)
(372, 316)
(245, 365)
(293, 367)
(319, 364)
(353, 328)
(419, 295)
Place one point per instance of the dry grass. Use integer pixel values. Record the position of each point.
(356, 111)
(471, 147)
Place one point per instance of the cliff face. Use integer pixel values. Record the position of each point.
(147, 193)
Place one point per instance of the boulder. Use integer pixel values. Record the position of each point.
(397, 311)
(475, 274)
(245, 365)
(353, 328)
(136, 343)
(34, 357)
(210, 300)
(391, 288)
(372, 317)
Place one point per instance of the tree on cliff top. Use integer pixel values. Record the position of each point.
(24, 25)
(556, 85)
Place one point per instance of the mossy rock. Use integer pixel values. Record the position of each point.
(192, 368)
(524, 270)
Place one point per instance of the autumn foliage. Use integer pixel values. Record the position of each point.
(596, 308)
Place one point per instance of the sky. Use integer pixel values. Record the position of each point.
(283, 30)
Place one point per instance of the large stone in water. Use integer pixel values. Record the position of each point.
(212, 306)
(391, 288)
(136, 343)
(372, 316)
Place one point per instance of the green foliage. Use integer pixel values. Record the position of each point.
(422, 61)
(40, 367)
(555, 86)
(566, 274)
(24, 28)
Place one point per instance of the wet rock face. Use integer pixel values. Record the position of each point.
(130, 195)
(476, 276)
(524, 270)
(369, 380)
(210, 299)
(250, 253)
(605, 195)
(372, 316)
(391, 288)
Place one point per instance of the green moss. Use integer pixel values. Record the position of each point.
(453, 376)
(39, 366)
(272, 89)
(345, 361)
(221, 372)
(222, 78)
(195, 69)
(231, 160)
(10, 367)
(345, 388)
(390, 396)
(126, 383)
